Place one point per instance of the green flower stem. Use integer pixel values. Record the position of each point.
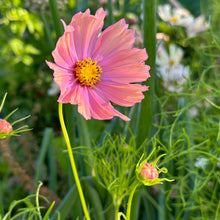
(117, 210)
(72, 162)
(128, 214)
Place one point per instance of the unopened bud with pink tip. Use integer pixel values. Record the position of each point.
(5, 127)
(149, 172)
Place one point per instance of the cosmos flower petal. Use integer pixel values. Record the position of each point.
(69, 93)
(125, 74)
(176, 53)
(77, 95)
(123, 58)
(68, 28)
(101, 108)
(162, 56)
(61, 74)
(114, 39)
(121, 67)
(122, 94)
(86, 30)
(164, 11)
(83, 105)
(64, 54)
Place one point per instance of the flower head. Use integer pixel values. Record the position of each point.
(196, 26)
(170, 69)
(94, 69)
(148, 173)
(5, 127)
(175, 16)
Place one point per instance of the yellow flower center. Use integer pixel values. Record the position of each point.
(88, 72)
(174, 19)
(171, 62)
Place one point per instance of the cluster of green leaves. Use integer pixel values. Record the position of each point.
(190, 141)
(114, 166)
(31, 211)
(23, 72)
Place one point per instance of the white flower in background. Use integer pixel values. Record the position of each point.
(218, 164)
(193, 112)
(175, 16)
(54, 89)
(201, 162)
(196, 26)
(170, 70)
(182, 17)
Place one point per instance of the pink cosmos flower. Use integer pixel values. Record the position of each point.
(94, 68)
(5, 127)
(149, 172)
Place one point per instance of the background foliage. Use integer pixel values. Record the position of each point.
(191, 142)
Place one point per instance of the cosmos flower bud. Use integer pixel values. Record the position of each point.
(5, 127)
(149, 172)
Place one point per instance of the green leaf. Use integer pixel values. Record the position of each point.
(94, 199)
(66, 206)
(46, 216)
(147, 104)
(47, 137)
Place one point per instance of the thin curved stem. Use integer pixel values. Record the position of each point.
(128, 213)
(37, 200)
(72, 162)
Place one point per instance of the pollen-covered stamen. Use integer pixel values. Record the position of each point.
(174, 19)
(171, 62)
(88, 72)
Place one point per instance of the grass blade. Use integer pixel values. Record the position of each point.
(47, 137)
(146, 106)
